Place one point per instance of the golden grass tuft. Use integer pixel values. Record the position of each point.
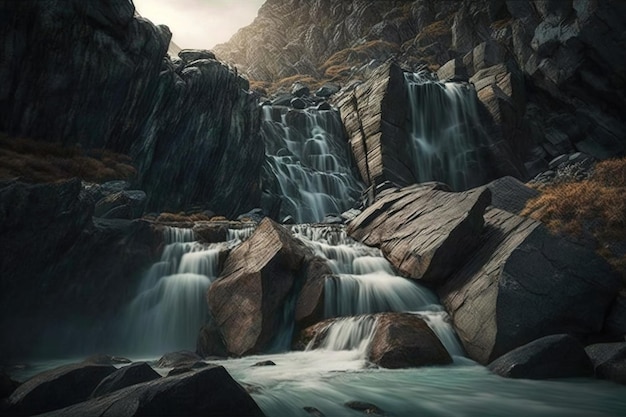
(596, 206)
(41, 162)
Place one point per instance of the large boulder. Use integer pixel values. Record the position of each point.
(258, 278)
(135, 373)
(208, 392)
(57, 388)
(556, 356)
(524, 283)
(510, 194)
(425, 233)
(403, 340)
(609, 361)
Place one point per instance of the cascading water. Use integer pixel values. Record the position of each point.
(364, 284)
(307, 163)
(448, 143)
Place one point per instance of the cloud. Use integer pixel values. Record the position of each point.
(200, 23)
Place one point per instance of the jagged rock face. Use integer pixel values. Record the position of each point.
(550, 73)
(524, 283)
(103, 79)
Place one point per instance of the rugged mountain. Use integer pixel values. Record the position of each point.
(550, 73)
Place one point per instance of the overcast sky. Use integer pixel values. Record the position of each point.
(200, 24)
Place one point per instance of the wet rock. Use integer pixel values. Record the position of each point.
(282, 100)
(453, 70)
(299, 89)
(405, 340)
(178, 359)
(57, 388)
(298, 103)
(211, 232)
(324, 105)
(609, 361)
(188, 367)
(365, 408)
(556, 356)
(210, 342)
(135, 373)
(255, 215)
(314, 411)
(207, 392)
(615, 324)
(425, 233)
(327, 90)
(310, 302)
(258, 278)
(101, 359)
(265, 363)
(332, 219)
(523, 283)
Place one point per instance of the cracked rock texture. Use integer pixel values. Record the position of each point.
(523, 283)
(424, 232)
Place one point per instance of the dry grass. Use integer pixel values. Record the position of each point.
(182, 217)
(40, 162)
(595, 206)
(361, 54)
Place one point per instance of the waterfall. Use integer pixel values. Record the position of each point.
(308, 163)
(447, 141)
(364, 283)
(170, 306)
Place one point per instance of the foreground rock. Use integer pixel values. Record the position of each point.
(259, 278)
(425, 233)
(208, 392)
(557, 356)
(524, 283)
(57, 388)
(135, 373)
(403, 341)
(609, 361)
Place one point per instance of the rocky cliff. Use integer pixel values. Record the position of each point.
(102, 79)
(549, 73)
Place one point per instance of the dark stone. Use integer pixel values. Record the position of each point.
(299, 90)
(365, 408)
(255, 215)
(510, 194)
(265, 363)
(324, 105)
(208, 392)
(310, 303)
(187, 368)
(298, 103)
(101, 359)
(404, 340)
(425, 233)
(314, 411)
(178, 359)
(134, 201)
(523, 283)
(556, 356)
(190, 55)
(327, 90)
(210, 232)
(135, 373)
(210, 342)
(57, 388)
(283, 100)
(609, 361)
(615, 323)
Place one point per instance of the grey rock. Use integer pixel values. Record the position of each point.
(133, 200)
(425, 233)
(265, 363)
(324, 105)
(299, 89)
(524, 283)
(365, 408)
(556, 356)
(453, 70)
(177, 359)
(135, 373)
(282, 100)
(298, 103)
(57, 388)
(615, 324)
(327, 90)
(190, 55)
(510, 194)
(609, 361)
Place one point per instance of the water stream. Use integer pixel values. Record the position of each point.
(448, 143)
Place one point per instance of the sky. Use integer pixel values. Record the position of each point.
(200, 24)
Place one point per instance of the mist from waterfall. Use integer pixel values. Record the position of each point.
(447, 141)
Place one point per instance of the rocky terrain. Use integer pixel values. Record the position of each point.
(326, 91)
